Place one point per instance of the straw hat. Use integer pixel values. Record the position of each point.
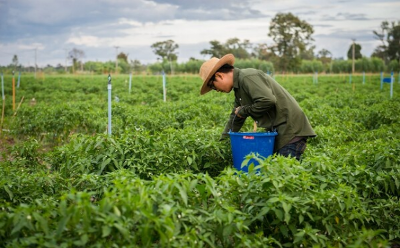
(210, 67)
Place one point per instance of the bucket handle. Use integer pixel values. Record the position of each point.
(271, 129)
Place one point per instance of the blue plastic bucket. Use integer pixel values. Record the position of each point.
(245, 143)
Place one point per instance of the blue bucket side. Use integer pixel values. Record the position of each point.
(243, 144)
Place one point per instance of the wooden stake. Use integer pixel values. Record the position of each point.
(22, 99)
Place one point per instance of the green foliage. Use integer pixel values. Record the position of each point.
(389, 35)
(361, 65)
(311, 66)
(357, 51)
(292, 37)
(163, 178)
(394, 66)
(255, 63)
(165, 50)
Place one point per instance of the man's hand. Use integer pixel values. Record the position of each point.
(237, 112)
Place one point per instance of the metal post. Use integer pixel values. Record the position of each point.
(13, 91)
(363, 77)
(391, 85)
(19, 77)
(313, 78)
(350, 78)
(109, 105)
(164, 87)
(381, 80)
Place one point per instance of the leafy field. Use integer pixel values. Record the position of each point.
(163, 179)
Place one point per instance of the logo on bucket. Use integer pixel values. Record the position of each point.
(248, 137)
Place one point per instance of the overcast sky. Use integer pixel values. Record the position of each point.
(51, 28)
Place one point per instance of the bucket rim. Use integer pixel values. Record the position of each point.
(253, 134)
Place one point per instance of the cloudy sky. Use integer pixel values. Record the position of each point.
(48, 29)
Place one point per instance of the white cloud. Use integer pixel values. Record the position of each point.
(31, 46)
(85, 40)
(54, 27)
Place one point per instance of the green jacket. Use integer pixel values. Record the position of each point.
(269, 104)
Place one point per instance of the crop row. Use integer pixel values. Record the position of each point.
(163, 178)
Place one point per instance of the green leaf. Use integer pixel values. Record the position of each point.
(299, 236)
(123, 231)
(273, 199)
(193, 184)
(62, 224)
(301, 218)
(261, 214)
(84, 239)
(116, 211)
(286, 207)
(103, 165)
(279, 214)
(20, 224)
(183, 194)
(10, 194)
(42, 222)
(284, 230)
(106, 230)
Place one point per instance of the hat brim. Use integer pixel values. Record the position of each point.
(227, 59)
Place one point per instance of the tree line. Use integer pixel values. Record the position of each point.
(292, 51)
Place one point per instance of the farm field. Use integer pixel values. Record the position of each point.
(163, 178)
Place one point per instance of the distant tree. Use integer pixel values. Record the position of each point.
(357, 52)
(75, 55)
(217, 49)
(393, 51)
(123, 56)
(389, 35)
(323, 53)
(166, 51)
(292, 37)
(237, 48)
(324, 56)
(308, 54)
(263, 52)
(240, 50)
(15, 61)
(136, 66)
(381, 50)
(59, 67)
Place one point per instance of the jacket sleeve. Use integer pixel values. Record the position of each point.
(261, 95)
